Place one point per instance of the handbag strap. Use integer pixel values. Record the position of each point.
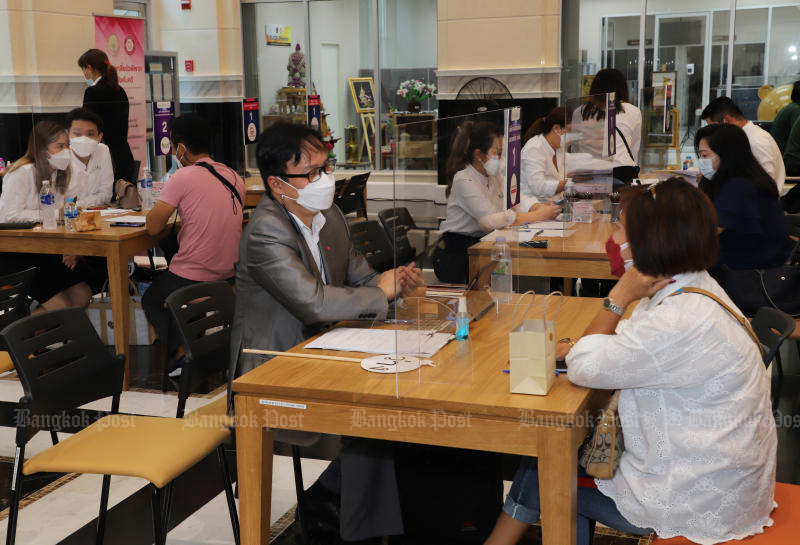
(226, 183)
(739, 318)
(627, 147)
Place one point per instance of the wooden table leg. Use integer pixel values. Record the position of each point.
(567, 291)
(558, 482)
(120, 303)
(254, 470)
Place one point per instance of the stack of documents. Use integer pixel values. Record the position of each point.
(382, 341)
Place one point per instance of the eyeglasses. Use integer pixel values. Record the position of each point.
(314, 174)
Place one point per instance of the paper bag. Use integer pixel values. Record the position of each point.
(99, 311)
(532, 352)
(88, 220)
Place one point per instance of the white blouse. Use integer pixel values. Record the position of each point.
(766, 152)
(700, 439)
(477, 204)
(629, 123)
(20, 198)
(92, 183)
(539, 177)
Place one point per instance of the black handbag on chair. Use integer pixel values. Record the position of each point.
(777, 287)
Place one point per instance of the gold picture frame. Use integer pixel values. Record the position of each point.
(363, 93)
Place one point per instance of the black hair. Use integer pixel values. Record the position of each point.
(281, 143)
(736, 160)
(470, 136)
(543, 125)
(98, 60)
(718, 108)
(607, 80)
(796, 91)
(193, 132)
(82, 114)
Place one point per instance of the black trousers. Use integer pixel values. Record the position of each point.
(157, 314)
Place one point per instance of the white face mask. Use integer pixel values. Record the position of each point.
(315, 196)
(706, 167)
(83, 146)
(492, 166)
(176, 162)
(60, 160)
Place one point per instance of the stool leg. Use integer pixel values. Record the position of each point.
(16, 488)
(159, 531)
(301, 502)
(101, 518)
(226, 476)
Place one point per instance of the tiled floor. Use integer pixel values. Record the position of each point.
(65, 509)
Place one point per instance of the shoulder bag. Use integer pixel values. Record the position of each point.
(603, 447)
(626, 174)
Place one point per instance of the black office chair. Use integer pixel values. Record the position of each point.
(772, 327)
(352, 197)
(62, 365)
(397, 222)
(370, 239)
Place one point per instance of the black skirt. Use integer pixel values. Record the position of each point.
(450, 258)
(52, 276)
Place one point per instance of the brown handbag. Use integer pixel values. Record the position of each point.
(127, 195)
(603, 448)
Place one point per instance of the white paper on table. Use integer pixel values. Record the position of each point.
(557, 233)
(114, 211)
(511, 236)
(382, 341)
(128, 219)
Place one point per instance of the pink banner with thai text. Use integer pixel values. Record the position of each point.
(122, 38)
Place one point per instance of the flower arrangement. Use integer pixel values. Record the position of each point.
(415, 90)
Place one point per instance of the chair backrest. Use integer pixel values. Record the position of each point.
(62, 364)
(397, 222)
(353, 195)
(14, 289)
(203, 315)
(370, 239)
(772, 326)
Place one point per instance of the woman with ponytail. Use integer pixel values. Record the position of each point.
(542, 157)
(475, 199)
(108, 99)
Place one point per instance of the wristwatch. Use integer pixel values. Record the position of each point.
(608, 304)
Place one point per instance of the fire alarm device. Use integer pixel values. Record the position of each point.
(189, 65)
(186, 4)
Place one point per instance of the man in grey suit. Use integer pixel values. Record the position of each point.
(298, 272)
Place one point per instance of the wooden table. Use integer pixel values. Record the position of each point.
(116, 244)
(582, 255)
(474, 409)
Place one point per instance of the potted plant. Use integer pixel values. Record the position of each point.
(414, 91)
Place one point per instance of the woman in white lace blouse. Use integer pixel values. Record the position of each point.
(695, 402)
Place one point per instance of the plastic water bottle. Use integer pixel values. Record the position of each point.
(147, 189)
(47, 206)
(70, 214)
(501, 275)
(569, 197)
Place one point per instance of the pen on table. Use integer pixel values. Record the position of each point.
(537, 233)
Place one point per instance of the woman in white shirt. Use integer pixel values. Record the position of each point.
(60, 281)
(542, 157)
(589, 120)
(700, 439)
(475, 199)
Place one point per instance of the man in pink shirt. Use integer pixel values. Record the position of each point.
(208, 197)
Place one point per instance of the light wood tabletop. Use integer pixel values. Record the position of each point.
(582, 255)
(116, 244)
(465, 402)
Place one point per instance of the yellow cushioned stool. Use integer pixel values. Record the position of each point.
(6, 363)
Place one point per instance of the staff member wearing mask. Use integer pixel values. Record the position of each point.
(542, 170)
(762, 145)
(92, 172)
(298, 272)
(109, 100)
(60, 281)
(208, 196)
(475, 199)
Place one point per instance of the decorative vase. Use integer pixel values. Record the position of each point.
(414, 106)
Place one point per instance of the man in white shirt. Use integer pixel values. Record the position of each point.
(764, 147)
(92, 171)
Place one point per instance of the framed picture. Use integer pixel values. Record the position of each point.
(660, 82)
(363, 91)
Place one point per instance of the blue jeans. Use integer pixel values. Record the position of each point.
(523, 504)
